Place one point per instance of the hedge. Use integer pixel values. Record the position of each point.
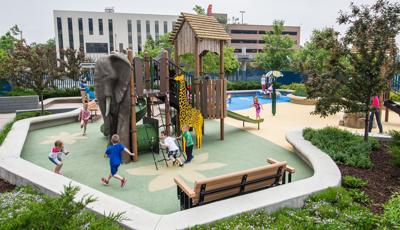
(49, 93)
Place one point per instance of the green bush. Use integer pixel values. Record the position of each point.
(6, 129)
(25, 115)
(394, 96)
(342, 146)
(26, 209)
(353, 182)
(394, 147)
(360, 197)
(247, 85)
(391, 214)
(333, 208)
(293, 86)
(49, 93)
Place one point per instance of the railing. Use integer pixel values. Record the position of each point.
(396, 83)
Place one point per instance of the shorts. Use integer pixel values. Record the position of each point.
(114, 169)
(173, 153)
(83, 122)
(258, 111)
(56, 161)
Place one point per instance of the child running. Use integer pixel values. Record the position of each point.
(173, 150)
(189, 143)
(84, 116)
(257, 106)
(114, 152)
(55, 155)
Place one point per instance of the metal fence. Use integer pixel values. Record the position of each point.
(396, 83)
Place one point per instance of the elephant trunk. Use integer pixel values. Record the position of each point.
(108, 104)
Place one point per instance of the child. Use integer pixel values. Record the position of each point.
(114, 152)
(257, 106)
(229, 98)
(55, 155)
(173, 150)
(189, 143)
(84, 116)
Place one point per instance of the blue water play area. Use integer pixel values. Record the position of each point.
(245, 101)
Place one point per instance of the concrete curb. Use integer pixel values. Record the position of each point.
(21, 172)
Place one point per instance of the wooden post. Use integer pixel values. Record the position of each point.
(177, 71)
(147, 82)
(133, 146)
(197, 72)
(164, 73)
(221, 76)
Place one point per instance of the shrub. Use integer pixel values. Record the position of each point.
(24, 209)
(293, 86)
(391, 214)
(360, 197)
(25, 115)
(394, 147)
(49, 93)
(342, 146)
(6, 129)
(247, 85)
(19, 91)
(394, 96)
(353, 182)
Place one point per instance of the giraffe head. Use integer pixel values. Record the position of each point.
(179, 78)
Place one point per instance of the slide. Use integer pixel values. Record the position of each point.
(243, 118)
(395, 107)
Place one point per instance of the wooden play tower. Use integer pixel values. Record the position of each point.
(199, 34)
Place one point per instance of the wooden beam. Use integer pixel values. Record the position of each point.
(147, 83)
(165, 75)
(177, 71)
(133, 146)
(197, 71)
(221, 76)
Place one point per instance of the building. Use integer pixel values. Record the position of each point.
(99, 33)
(248, 39)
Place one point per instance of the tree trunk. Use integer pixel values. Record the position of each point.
(41, 102)
(366, 126)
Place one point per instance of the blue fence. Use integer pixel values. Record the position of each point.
(396, 83)
(254, 75)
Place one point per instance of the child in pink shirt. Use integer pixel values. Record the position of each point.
(375, 110)
(84, 116)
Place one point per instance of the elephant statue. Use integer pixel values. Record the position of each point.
(112, 87)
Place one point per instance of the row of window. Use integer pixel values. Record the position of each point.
(249, 41)
(94, 47)
(293, 33)
(248, 50)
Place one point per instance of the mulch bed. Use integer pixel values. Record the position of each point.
(383, 178)
(5, 187)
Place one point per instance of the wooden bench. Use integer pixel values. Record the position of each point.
(233, 184)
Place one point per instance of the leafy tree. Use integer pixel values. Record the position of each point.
(278, 49)
(33, 66)
(362, 64)
(154, 48)
(199, 10)
(7, 44)
(72, 63)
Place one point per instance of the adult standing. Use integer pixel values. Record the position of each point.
(375, 110)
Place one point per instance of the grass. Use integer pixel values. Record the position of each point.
(342, 146)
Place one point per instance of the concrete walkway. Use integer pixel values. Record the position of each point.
(5, 118)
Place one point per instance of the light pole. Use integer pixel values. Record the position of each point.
(242, 12)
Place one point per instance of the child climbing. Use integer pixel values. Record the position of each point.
(56, 154)
(114, 152)
(173, 150)
(257, 106)
(84, 116)
(189, 143)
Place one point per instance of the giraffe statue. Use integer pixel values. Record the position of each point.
(187, 114)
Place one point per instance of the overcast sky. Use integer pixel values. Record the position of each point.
(35, 17)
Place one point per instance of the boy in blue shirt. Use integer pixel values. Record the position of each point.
(114, 152)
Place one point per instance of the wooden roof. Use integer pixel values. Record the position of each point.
(203, 26)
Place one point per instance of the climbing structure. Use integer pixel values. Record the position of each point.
(187, 114)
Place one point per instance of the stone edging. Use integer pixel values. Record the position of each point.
(21, 172)
(300, 100)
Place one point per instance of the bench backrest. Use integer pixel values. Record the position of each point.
(219, 187)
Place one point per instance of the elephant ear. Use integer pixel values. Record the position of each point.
(122, 70)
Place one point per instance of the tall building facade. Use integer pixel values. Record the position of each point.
(248, 39)
(99, 33)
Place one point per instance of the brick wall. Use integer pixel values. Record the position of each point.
(11, 104)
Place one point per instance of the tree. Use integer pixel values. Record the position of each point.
(72, 63)
(278, 49)
(154, 48)
(199, 10)
(34, 66)
(7, 44)
(362, 64)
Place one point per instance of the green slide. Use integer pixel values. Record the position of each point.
(243, 118)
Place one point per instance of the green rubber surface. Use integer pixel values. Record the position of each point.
(148, 188)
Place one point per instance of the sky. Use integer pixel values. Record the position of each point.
(35, 17)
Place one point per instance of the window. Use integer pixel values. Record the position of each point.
(238, 50)
(165, 27)
(70, 33)
(60, 36)
(243, 41)
(243, 31)
(157, 29)
(130, 34)
(261, 41)
(80, 27)
(264, 32)
(100, 26)
(90, 26)
(96, 48)
(147, 29)
(289, 33)
(139, 34)
(121, 47)
(251, 50)
(111, 34)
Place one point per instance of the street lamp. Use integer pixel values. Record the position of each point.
(242, 12)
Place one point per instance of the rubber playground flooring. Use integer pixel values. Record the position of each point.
(148, 188)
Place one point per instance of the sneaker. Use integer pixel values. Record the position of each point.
(191, 158)
(104, 181)
(187, 161)
(123, 182)
(181, 165)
